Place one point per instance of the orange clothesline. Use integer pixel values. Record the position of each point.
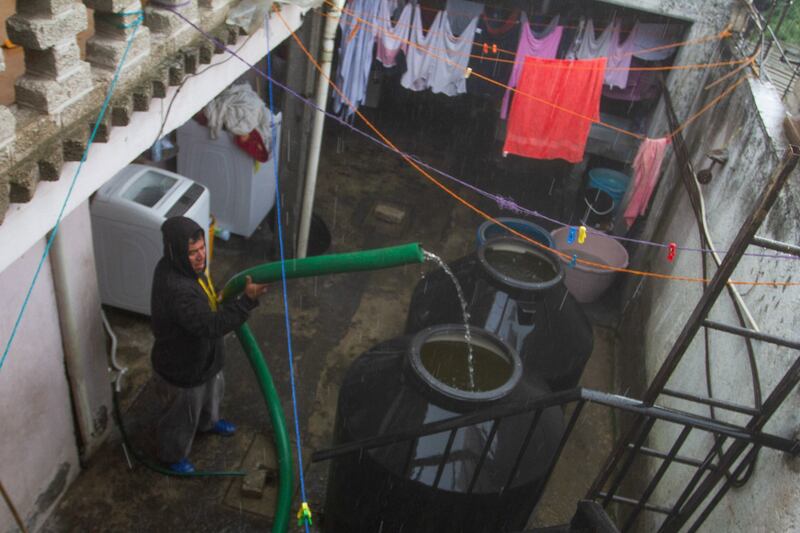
(468, 72)
(693, 66)
(721, 35)
(485, 215)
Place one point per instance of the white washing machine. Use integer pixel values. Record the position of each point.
(242, 193)
(127, 213)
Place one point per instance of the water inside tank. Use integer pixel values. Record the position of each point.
(448, 362)
(520, 264)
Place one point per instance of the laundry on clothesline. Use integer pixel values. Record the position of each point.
(392, 37)
(355, 55)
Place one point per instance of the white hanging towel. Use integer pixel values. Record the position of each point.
(448, 75)
(419, 61)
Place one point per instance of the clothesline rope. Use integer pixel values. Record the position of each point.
(724, 34)
(536, 98)
(509, 21)
(486, 216)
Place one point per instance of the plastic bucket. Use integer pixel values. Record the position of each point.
(489, 230)
(586, 283)
(609, 181)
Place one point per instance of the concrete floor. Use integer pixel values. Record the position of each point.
(334, 319)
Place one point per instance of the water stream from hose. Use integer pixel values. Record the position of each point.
(467, 332)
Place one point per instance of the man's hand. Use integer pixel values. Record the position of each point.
(254, 290)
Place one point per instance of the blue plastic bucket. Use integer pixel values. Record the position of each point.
(609, 181)
(489, 230)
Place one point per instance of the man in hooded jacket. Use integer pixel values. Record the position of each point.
(188, 354)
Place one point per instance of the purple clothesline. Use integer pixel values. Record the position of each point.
(503, 202)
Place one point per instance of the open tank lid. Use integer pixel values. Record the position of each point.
(457, 397)
(518, 246)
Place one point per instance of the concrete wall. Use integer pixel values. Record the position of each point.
(749, 123)
(38, 455)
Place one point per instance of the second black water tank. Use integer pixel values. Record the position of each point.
(513, 289)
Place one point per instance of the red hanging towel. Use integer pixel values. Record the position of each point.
(556, 104)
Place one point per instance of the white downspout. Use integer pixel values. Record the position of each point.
(321, 99)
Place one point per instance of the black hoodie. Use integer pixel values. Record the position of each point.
(188, 348)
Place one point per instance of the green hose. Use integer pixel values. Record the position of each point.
(328, 264)
(283, 507)
(298, 268)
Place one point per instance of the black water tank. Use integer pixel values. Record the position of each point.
(401, 384)
(521, 299)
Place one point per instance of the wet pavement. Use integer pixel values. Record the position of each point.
(334, 319)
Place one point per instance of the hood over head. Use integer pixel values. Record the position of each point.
(176, 232)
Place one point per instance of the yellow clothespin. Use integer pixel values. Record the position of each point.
(467, 72)
(581, 234)
(304, 515)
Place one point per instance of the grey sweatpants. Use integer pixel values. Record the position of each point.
(184, 412)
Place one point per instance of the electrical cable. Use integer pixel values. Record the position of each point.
(285, 290)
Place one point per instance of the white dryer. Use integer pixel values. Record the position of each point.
(242, 192)
(127, 213)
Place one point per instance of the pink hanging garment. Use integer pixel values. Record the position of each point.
(646, 171)
(419, 61)
(392, 37)
(556, 104)
(545, 47)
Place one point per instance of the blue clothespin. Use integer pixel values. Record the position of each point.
(574, 261)
(572, 235)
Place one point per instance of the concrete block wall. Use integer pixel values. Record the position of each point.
(59, 94)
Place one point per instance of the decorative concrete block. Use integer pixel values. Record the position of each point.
(75, 141)
(44, 8)
(5, 193)
(161, 82)
(176, 73)
(206, 50)
(58, 61)
(52, 96)
(142, 96)
(162, 20)
(191, 59)
(114, 6)
(8, 125)
(23, 180)
(106, 51)
(122, 110)
(40, 33)
(50, 162)
(103, 128)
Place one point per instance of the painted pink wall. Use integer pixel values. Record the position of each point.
(38, 454)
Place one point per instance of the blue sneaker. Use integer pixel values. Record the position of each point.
(182, 467)
(223, 428)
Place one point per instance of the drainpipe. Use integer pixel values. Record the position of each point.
(79, 314)
(321, 99)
